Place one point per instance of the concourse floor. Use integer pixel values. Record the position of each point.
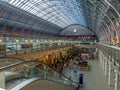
(94, 79)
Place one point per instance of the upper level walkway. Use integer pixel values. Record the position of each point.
(39, 53)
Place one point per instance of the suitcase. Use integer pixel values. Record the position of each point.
(81, 79)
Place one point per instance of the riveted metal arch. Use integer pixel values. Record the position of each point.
(5, 22)
(106, 16)
(112, 7)
(109, 19)
(73, 25)
(106, 33)
(23, 28)
(30, 15)
(16, 24)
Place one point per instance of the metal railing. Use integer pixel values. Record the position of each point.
(31, 69)
(112, 53)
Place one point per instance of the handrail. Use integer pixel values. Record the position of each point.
(112, 53)
(57, 72)
(29, 81)
(11, 66)
(12, 58)
(25, 83)
(111, 46)
(30, 61)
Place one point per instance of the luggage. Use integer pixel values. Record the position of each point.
(81, 79)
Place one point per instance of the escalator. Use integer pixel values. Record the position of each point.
(43, 76)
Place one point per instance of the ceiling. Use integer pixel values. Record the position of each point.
(60, 12)
(99, 16)
(76, 30)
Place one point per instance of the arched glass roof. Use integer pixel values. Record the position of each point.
(76, 30)
(59, 12)
(99, 16)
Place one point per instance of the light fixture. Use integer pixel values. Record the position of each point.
(37, 40)
(26, 40)
(75, 30)
(119, 20)
(17, 41)
(0, 40)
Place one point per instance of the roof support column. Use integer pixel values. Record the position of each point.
(109, 72)
(116, 80)
(2, 80)
(102, 60)
(106, 66)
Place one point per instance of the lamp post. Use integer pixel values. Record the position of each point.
(31, 47)
(17, 41)
(26, 41)
(37, 44)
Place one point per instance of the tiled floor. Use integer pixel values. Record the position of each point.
(93, 79)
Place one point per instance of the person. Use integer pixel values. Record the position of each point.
(75, 69)
(92, 56)
(55, 66)
(70, 65)
(81, 58)
(65, 65)
(61, 70)
(70, 77)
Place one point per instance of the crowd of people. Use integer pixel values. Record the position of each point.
(71, 64)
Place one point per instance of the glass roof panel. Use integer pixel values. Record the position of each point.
(59, 12)
(76, 30)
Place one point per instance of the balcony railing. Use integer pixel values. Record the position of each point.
(112, 53)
